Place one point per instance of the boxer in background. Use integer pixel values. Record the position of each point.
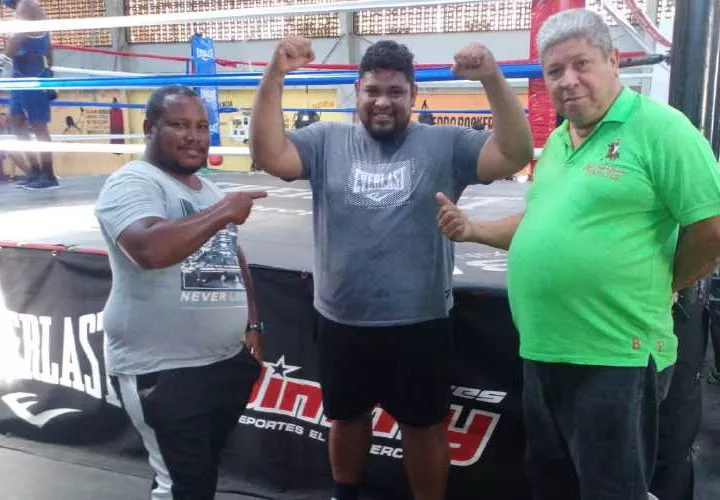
(29, 55)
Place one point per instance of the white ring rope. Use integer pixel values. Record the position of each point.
(82, 137)
(95, 137)
(61, 147)
(93, 23)
(65, 147)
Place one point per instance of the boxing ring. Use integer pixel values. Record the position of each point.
(55, 278)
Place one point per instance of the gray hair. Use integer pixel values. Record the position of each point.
(574, 23)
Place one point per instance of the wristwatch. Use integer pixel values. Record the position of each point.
(258, 327)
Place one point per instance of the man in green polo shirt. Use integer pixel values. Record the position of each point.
(593, 265)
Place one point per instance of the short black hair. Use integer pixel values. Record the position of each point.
(387, 54)
(156, 104)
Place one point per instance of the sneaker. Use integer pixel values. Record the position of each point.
(41, 182)
(25, 179)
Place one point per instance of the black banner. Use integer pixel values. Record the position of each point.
(52, 378)
(54, 386)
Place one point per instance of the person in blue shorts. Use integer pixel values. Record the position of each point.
(29, 55)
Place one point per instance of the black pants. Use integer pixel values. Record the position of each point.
(681, 411)
(184, 417)
(592, 430)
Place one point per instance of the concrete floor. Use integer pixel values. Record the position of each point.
(35, 471)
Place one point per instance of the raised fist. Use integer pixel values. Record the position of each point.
(291, 53)
(474, 62)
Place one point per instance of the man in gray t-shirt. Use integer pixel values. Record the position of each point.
(182, 332)
(382, 268)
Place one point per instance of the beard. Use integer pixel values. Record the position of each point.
(175, 168)
(169, 164)
(385, 134)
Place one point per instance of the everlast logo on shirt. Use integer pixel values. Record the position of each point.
(368, 182)
(380, 184)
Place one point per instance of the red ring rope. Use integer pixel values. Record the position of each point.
(235, 63)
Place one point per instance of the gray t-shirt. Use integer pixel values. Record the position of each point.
(190, 314)
(380, 258)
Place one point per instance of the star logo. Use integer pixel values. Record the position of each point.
(282, 369)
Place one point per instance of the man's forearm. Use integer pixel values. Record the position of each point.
(695, 258)
(510, 128)
(169, 242)
(267, 126)
(253, 316)
(497, 234)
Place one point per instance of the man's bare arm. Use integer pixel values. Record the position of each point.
(698, 253)
(253, 316)
(497, 234)
(458, 227)
(271, 150)
(155, 243)
(253, 338)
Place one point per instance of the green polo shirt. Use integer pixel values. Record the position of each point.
(590, 267)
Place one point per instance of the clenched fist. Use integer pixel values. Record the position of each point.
(452, 221)
(474, 62)
(291, 53)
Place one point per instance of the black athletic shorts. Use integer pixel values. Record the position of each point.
(405, 369)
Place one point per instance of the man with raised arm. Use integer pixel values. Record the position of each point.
(382, 270)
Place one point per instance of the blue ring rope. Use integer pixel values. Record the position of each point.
(237, 80)
(232, 109)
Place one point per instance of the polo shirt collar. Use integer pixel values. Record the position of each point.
(620, 111)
